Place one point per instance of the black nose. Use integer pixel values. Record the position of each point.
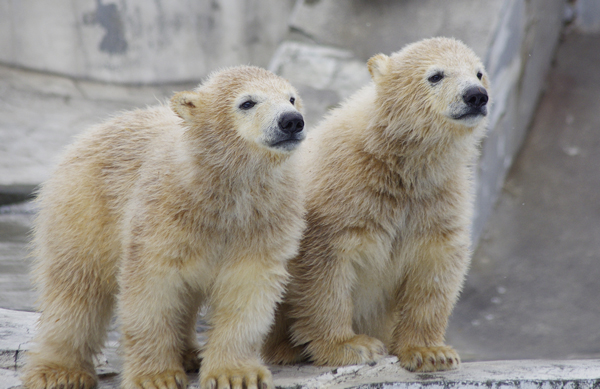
(476, 97)
(291, 122)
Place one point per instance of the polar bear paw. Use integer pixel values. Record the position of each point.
(356, 350)
(428, 359)
(250, 377)
(55, 377)
(169, 379)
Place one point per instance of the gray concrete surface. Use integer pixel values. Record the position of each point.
(15, 285)
(41, 113)
(587, 15)
(139, 41)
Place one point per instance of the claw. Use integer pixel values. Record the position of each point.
(435, 358)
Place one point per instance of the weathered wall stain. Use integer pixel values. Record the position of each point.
(109, 17)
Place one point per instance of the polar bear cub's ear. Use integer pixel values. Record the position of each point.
(379, 66)
(186, 105)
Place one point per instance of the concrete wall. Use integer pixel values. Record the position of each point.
(587, 15)
(138, 41)
(518, 60)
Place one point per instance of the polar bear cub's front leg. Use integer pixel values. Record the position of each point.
(239, 323)
(153, 314)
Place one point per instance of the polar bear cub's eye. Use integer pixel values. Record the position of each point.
(437, 77)
(292, 100)
(479, 75)
(247, 104)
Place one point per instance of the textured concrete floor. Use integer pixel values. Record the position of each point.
(534, 286)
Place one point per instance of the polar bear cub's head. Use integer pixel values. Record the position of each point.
(247, 102)
(438, 80)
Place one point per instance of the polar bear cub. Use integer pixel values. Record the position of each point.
(389, 199)
(158, 212)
